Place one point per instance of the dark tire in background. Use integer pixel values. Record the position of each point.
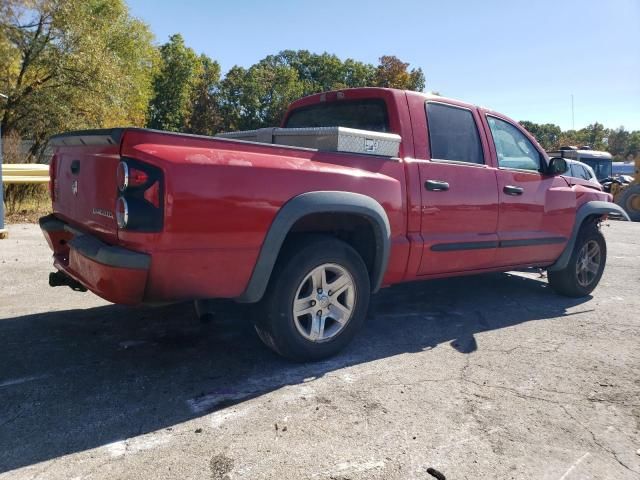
(629, 200)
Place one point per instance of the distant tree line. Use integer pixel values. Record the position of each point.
(621, 143)
(77, 64)
(189, 94)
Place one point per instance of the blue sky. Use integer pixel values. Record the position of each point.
(522, 58)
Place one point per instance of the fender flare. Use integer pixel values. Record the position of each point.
(319, 202)
(590, 208)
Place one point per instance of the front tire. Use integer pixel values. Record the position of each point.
(316, 301)
(586, 265)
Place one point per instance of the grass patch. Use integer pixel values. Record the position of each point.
(26, 203)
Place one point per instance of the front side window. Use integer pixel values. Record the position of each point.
(453, 134)
(513, 148)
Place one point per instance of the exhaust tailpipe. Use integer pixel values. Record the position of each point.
(61, 279)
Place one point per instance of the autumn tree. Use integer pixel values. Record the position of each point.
(393, 73)
(71, 64)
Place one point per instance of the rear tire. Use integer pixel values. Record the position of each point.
(586, 265)
(316, 300)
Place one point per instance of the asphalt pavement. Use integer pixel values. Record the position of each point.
(484, 377)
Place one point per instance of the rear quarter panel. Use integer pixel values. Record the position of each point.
(223, 195)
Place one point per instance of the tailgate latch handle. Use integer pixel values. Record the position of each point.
(75, 166)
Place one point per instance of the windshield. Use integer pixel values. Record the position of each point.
(602, 168)
(360, 114)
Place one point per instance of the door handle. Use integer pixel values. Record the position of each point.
(75, 166)
(513, 190)
(436, 185)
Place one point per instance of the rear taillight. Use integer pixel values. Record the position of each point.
(127, 176)
(122, 176)
(122, 212)
(139, 206)
(52, 176)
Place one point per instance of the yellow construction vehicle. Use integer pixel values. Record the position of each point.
(628, 196)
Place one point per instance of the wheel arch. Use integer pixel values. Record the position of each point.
(318, 203)
(589, 211)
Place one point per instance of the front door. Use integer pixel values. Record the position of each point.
(536, 209)
(459, 194)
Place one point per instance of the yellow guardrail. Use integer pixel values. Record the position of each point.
(13, 173)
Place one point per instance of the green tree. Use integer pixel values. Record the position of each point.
(358, 74)
(576, 138)
(595, 135)
(70, 64)
(633, 146)
(173, 85)
(548, 134)
(258, 97)
(324, 72)
(205, 118)
(617, 143)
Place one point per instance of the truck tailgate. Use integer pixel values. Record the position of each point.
(84, 187)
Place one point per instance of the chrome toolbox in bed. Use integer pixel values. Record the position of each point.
(336, 139)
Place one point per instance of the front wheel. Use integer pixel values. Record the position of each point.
(316, 301)
(586, 265)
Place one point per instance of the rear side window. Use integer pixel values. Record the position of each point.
(362, 114)
(453, 134)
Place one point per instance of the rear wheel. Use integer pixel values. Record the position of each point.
(586, 265)
(316, 300)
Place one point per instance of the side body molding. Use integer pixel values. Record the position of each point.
(319, 202)
(590, 208)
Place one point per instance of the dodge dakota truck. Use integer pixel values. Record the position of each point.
(143, 216)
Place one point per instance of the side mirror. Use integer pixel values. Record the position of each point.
(557, 166)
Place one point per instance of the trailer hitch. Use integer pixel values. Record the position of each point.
(61, 279)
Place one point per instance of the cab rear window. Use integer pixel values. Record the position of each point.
(362, 114)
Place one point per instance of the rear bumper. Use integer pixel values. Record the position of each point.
(114, 273)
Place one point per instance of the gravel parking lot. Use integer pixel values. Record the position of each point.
(490, 377)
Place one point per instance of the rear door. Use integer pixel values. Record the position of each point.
(459, 193)
(536, 209)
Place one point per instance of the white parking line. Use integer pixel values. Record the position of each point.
(18, 381)
(573, 467)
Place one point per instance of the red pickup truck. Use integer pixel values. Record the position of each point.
(143, 216)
